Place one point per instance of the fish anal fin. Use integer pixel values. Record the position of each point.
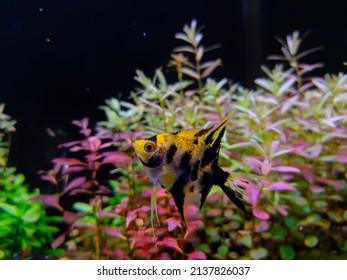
(177, 191)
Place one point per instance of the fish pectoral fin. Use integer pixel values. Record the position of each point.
(154, 207)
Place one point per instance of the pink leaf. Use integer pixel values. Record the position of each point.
(58, 241)
(214, 212)
(253, 163)
(283, 210)
(286, 169)
(266, 167)
(165, 256)
(253, 195)
(68, 161)
(69, 217)
(105, 214)
(115, 157)
(261, 214)
(192, 212)
(281, 186)
(131, 216)
(81, 123)
(48, 200)
(114, 232)
(262, 226)
(94, 143)
(78, 182)
(197, 255)
(84, 123)
(106, 145)
(170, 242)
(336, 158)
(173, 223)
(317, 189)
(275, 146)
(49, 176)
(316, 150)
(69, 144)
(72, 170)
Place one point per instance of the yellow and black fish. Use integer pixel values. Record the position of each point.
(186, 163)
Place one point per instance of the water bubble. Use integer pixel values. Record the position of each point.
(87, 89)
(47, 40)
(144, 34)
(301, 228)
(40, 9)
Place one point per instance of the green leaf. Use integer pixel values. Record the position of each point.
(19, 179)
(345, 215)
(246, 240)
(10, 209)
(287, 252)
(259, 253)
(83, 207)
(6, 231)
(335, 217)
(32, 215)
(223, 250)
(344, 247)
(311, 241)
(291, 222)
(8, 221)
(279, 233)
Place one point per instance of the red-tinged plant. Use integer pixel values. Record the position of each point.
(287, 138)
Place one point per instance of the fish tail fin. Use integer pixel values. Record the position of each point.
(234, 186)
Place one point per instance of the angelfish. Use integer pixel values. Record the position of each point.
(186, 163)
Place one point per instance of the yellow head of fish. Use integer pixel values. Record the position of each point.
(150, 153)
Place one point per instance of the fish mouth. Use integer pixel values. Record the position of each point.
(154, 161)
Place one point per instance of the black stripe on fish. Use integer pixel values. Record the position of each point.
(206, 183)
(153, 138)
(185, 159)
(177, 192)
(153, 162)
(202, 132)
(194, 172)
(209, 138)
(211, 153)
(171, 153)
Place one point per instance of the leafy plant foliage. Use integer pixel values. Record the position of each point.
(290, 131)
(25, 229)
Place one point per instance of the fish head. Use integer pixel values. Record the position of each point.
(149, 152)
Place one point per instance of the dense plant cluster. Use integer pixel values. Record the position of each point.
(290, 132)
(25, 229)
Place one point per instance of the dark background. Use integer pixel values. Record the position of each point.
(59, 60)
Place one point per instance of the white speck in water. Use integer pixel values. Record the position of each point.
(133, 23)
(47, 40)
(301, 228)
(40, 9)
(87, 89)
(144, 34)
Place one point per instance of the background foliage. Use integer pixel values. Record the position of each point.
(290, 131)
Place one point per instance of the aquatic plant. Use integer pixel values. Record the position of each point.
(290, 131)
(25, 229)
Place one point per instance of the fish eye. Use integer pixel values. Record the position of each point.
(149, 147)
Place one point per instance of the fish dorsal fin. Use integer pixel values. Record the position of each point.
(212, 141)
(214, 134)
